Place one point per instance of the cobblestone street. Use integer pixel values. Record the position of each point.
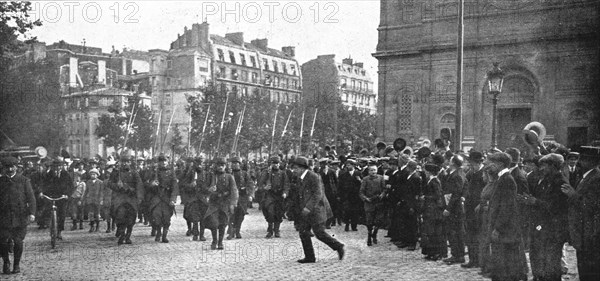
(85, 256)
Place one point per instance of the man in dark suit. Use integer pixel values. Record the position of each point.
(58, 182)
(17, 209)
(454, 185)
(475, 184)
(575, 172)
(584, 215)
(504, 224)
(349, 184)
(315, 211)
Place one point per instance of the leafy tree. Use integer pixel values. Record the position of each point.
(176, 142)
(15, 21)
(111, 126)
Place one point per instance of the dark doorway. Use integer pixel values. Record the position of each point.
(511, 122)
(576, 136)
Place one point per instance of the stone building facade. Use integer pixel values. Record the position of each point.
(197, 58)
(347, 80)
(549, 51)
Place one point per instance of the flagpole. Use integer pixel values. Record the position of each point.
(301, 132)
(222, 122)
(312, 130)
(203, 130)
(273, 134)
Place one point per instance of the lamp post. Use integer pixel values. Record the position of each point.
(495, 77)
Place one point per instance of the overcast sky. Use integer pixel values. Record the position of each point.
(314, 27)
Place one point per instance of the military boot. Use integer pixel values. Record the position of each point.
(231, 233)
(269, 230)
(158, 234)
(221, 236)
(375, 229)
(18, 252)
(370, 233)
(276, 229)
(164, 235)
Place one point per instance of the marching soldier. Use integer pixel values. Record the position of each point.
(162, 204)
(372, 192)
(187, 190)
(221, 204)
(17, 209)
(106, 198)
(145, 175)
(276, 186)
(127, 194)
(195, 188)
(245, 187)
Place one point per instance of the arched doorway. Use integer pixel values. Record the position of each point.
(448, 128)
(514, 111)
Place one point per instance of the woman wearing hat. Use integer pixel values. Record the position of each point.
(433, 243)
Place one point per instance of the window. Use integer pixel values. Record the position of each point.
(366, 86)
(275, 66)
(284, 68)
(231, 57)
(234, 74)
(77, 116)
(169, 64)
(167, 99)
(276, 82)
(243, 59)
(234, 89)
(221, 73)
(94, 102)
(253, 61)
(353, 85)
(154, 81)
(254, 77)
(343, 83)
(221, 56)
(266, 64)
(359, 85)
(245, 91)
(168, 81)
(244, 75)
(293, 68)
(268, 80)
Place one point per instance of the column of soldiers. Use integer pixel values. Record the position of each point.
(491, 207)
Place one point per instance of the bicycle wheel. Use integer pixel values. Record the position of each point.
(53, 229)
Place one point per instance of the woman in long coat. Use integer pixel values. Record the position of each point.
(432, 237)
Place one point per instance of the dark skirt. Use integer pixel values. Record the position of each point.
(432, 237)
(506, 263)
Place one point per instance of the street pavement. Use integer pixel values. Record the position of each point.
(94, 256)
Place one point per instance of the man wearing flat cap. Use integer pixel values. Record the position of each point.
(17, 209)
(584, 214)
(314, 212)
(548, 209)
(245, 187)
(276, 186)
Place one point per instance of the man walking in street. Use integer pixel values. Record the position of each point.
(276, 185)
(17, 209)
(245, 187)
(315, 212)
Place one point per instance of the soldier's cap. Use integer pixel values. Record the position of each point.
(573, 155)
(301, 161)
(220, 161)
(274, 159)
(94, 171)
(9, 161)
(124, 158)
(235, 159)
(162, 158)
(553, 159)
(351, 161)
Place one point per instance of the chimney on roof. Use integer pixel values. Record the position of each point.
(102, 72)
(347, 61)
(236, 37)
(289, 51)
(260, 43)
(73, 71)
(203, 35)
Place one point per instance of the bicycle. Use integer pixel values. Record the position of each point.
(53, 219)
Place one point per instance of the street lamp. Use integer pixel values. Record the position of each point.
(495, 78)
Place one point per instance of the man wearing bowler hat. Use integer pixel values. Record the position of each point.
(474, 186)
(17, 209)
(315, 211)
(584, 214)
